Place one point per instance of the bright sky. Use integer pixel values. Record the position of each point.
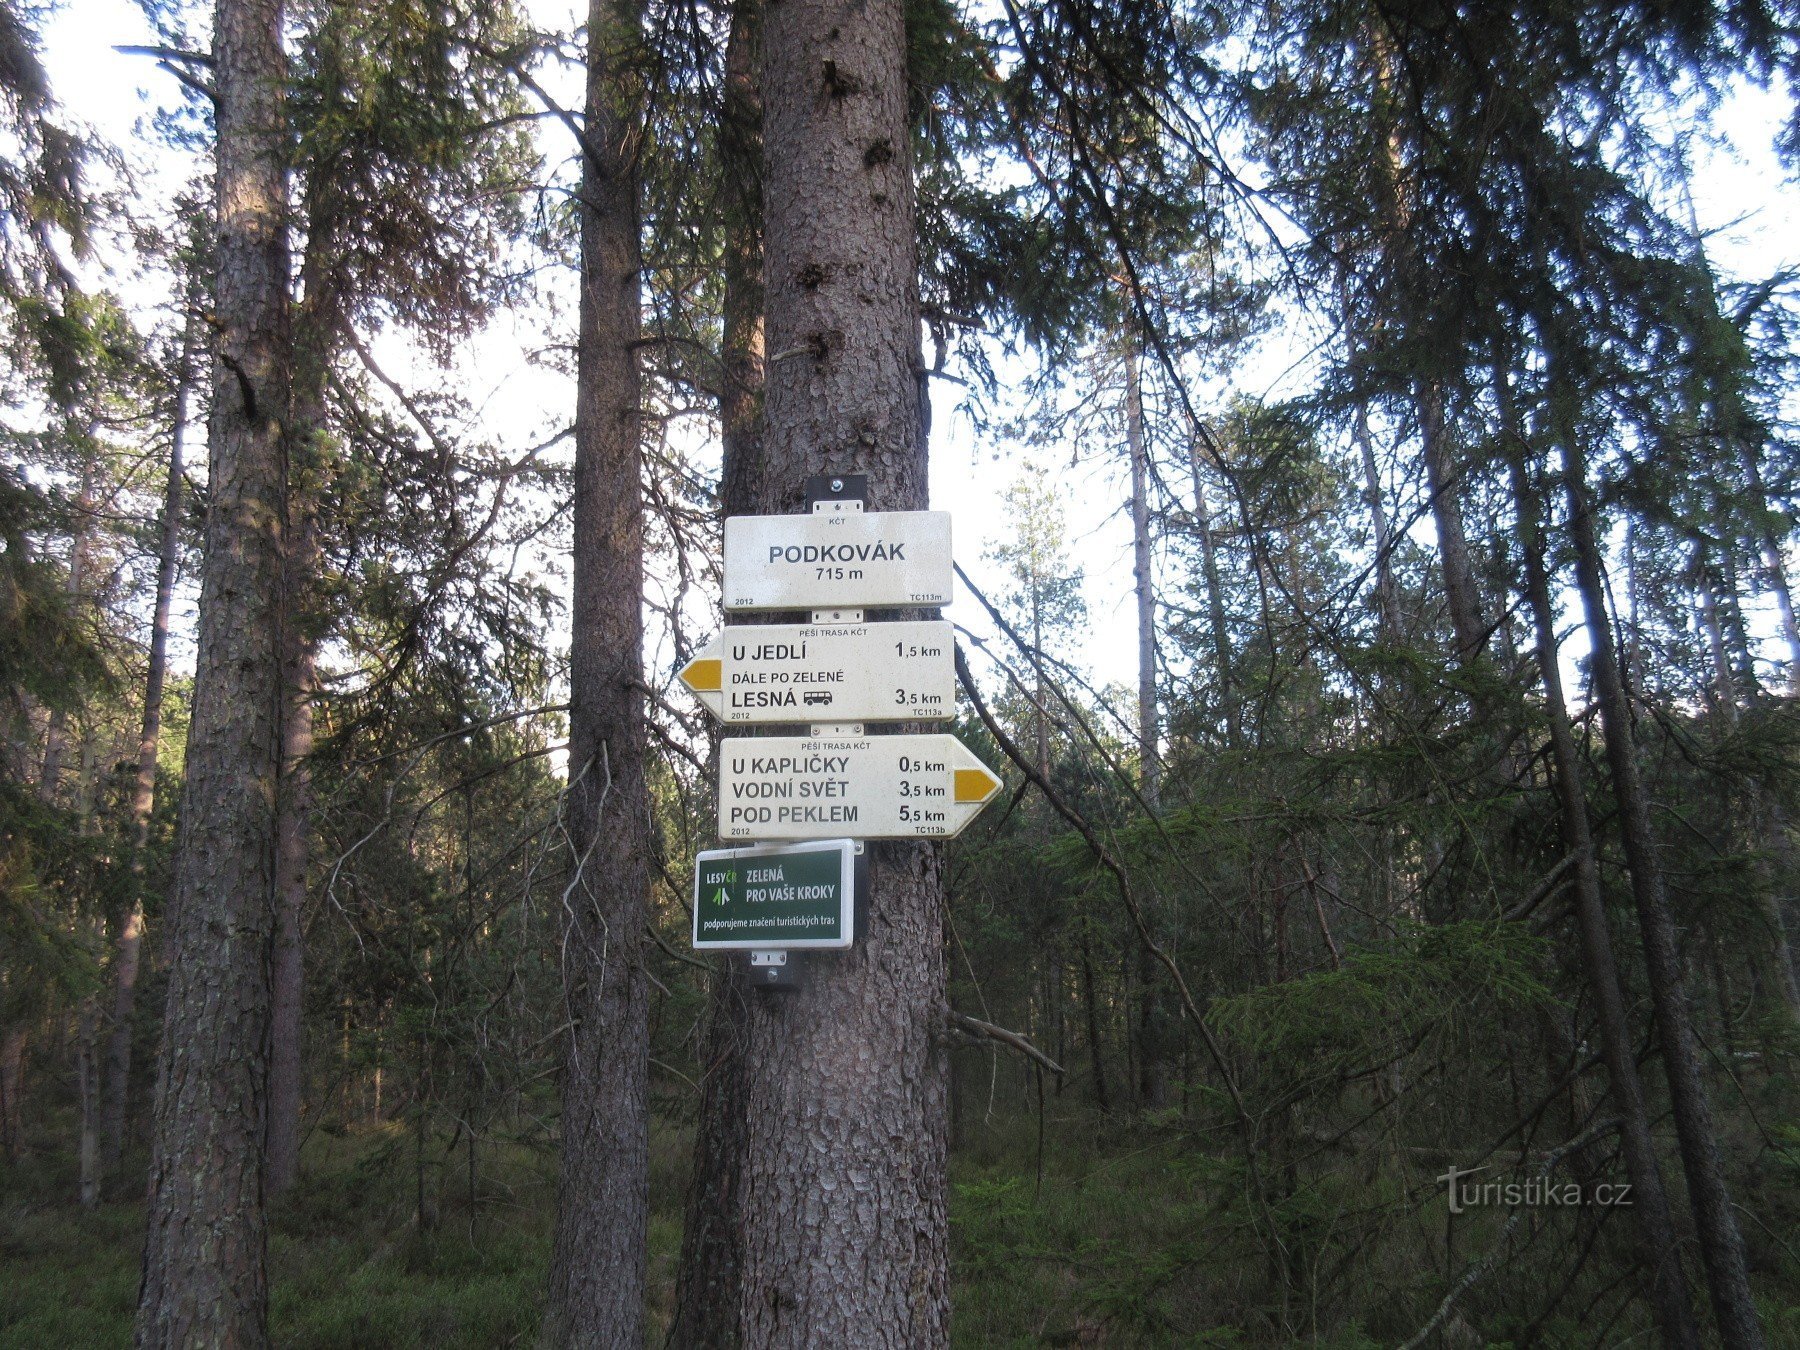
(1741, 193)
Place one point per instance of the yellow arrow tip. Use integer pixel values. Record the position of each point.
(704, 675)
(975, 785)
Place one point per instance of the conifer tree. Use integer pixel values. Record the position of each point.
(205, 1278)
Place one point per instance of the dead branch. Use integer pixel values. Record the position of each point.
(974, 1026)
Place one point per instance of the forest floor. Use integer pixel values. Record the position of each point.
(350, 1266)
(1123, 1242)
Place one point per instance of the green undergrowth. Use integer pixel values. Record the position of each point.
(1098, 1255)
(1139, 1231)
(350, 1263)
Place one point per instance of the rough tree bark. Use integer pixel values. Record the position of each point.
(1387, 595)
(1659, 1245)
(128, 944)
(1153, 1074)
(1396, 201)
(844, 1209)
(318, 327)
(204, 1277)
(1460, 590)
(597, 1265)
(1095, 1042)
(1721, 1244)
(12, 1081)
(56, 731)
(709, 1276)
(1215, 597)
(1143, 583)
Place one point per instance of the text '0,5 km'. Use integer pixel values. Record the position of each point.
(848, 559)
(880, 787)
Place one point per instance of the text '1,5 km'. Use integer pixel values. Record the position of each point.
(837, 786)
(862, 672)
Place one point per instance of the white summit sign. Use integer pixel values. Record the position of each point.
(864, 787)
(827, 672)
(838, 559)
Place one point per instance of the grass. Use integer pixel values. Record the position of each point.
(349, 1265)
(1135, 1237)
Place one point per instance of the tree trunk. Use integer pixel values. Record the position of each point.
(597, 1264)
(1724, 692)
(1096, 1045)
(1153, 1082)
(1446, 514)
(12, 1082)
(204, 1260)
(1149, 760)
(1658, 1245)
(1774, 563)
(288, 976)
(845, 1217)
(1721, 1245)
(1387, 596)
(319, 324)
(1215, 599)
(56, 731)
(709, 1277)
(87, 1084)
(128, 945)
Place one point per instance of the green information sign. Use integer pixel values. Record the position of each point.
(796, 896)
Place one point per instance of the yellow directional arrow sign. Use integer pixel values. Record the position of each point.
(827, 672)
(863, 787)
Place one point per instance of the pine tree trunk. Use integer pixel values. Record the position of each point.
(1658, 1245)
(1386, 594)
(1153, 1080)
(844, 1207)
(1215, 599)
(1040, 709)
(1396, 208)
(1096, 1045)
(318, 331)
(1460, 590)
(288, 976)
(56, 731)
(1721, 1244)
(204, 1260)
(1774, 563)
(87, 1084)
(1724, 694)
(709, 1276)
(1149, 760)
(740, 166)
(12, 1082)
(129, 943)
(598, 1260)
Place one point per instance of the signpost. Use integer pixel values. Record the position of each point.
(833, 672)
(794, 896)
(871, 787)
(836, 559)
